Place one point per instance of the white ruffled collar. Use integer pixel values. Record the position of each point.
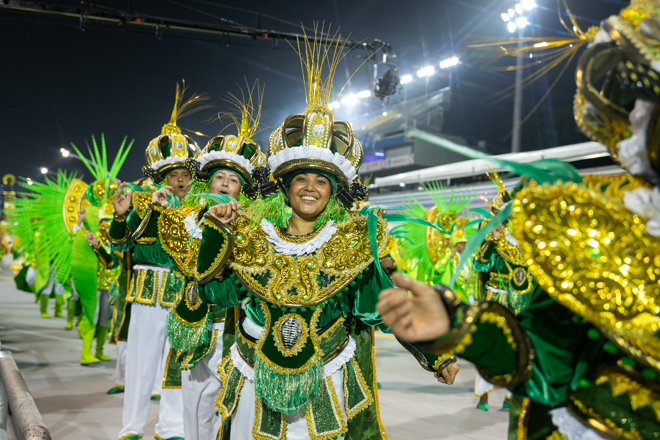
(288, 248)
(190, 223)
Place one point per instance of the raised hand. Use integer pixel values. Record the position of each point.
(420, 316)
(161, 195)
(226, 212)
(121, 202)
(81, 216)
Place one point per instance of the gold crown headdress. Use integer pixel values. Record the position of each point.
(314, 139)
(236, 152)
(171, 149)
(626, 55)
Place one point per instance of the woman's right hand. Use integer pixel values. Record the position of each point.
(121, 202)
(226, 212)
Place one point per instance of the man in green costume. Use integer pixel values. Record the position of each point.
(156, 283)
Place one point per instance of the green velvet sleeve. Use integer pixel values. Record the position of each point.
(484, 260)
(120, 232)
(110, 261)
(223, 293)
(488, 335)
(365, 291)
(214, 250)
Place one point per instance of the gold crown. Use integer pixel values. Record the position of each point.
(629, 44)
(314, 139)
(238, 153)
(171, 149)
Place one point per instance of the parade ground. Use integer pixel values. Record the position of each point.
(73, 402)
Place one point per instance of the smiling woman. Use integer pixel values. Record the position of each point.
(303, 287)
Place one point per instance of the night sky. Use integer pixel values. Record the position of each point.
(60, 85)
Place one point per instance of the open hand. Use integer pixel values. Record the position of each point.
(121, 202)
(226, 212)
(420, 316)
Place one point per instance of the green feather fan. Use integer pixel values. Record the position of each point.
(84, 264)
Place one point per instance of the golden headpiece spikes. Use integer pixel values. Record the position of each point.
(183, 108)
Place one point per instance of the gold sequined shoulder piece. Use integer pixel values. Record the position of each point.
(175, 239)
(594, 257)
(289, 280)
(141, 202)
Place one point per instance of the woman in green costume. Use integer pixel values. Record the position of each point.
(302, 365)
(582, 359)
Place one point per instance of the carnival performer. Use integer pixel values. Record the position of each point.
(108, 263)
(156, 281)
(195, 330)
(582, 358)
(503, 277)
(302, 365)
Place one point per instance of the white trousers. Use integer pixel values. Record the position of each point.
(482, 386)
(119, 374)
(242, 420)
(146, 354)
(200, 387)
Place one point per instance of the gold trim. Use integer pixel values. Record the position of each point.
(167, 367)
(312, 334)
(368, 399)
(336, 412)
(121, 240)
(521, 433)
(258, 414)
(338, 322)
(163, 287)
(304, 334)
(129, 436)
(223, 253)
(374, 386)
(438, 362)
(142, 227)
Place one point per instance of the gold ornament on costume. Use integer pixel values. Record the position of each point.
(176, 240)
(293, 280)
(602, 112)
(323, 143)
(171, 149)
(74, 201)
(594, 256)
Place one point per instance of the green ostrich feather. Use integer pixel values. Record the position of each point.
(40, 209)
(97, 163)
(84, 265)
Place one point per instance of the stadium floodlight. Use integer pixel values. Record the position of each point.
(364, 94)
(426, 71)
(349, 100)
(405, 79)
